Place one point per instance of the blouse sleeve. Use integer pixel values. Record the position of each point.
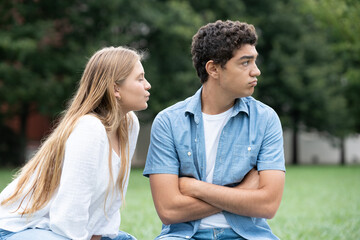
(84, 151)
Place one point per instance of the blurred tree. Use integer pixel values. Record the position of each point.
(300, 72)
(340, 20)
(43, 49)
(34, 67)
(171, 25)
(44, 45)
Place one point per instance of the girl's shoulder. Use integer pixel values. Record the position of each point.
(90, 119)
(89, 125)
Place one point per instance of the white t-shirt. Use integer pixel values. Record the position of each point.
(213, 126)
(76, 210)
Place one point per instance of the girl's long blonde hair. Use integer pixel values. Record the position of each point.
(95, 96)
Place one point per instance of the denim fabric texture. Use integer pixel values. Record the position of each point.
(251, 138)
(121, 236)
(210, 234)
(4, 234)
(31, 234)
(44, 234)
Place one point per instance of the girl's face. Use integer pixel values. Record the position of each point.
(133, 92)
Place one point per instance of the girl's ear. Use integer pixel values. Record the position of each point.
(117, 92)
(212, 69)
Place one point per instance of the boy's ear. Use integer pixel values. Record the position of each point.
(212, 69)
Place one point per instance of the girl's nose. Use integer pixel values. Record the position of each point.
(147, 85)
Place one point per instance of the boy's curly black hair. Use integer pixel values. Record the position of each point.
(218, 41)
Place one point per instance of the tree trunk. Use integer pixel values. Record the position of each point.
(342, 151)
(24, 114)
(295, 145)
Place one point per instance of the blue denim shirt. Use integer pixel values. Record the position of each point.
(252, 137)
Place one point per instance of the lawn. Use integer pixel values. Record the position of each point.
(319, 202)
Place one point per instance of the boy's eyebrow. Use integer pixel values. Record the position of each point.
(246, 57)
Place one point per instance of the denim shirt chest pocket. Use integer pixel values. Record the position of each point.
(187, 165)
(244, 158)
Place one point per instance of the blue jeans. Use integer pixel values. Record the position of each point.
(209, 234)
(42, 234)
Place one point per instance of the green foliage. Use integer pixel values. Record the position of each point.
(169, 66)
(45, 45)
(340, 20)
(301, 75)
(309, 53)
(301, 72)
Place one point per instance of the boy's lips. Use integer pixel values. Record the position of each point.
(253, 83)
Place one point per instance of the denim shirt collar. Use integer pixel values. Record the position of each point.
(194, 106)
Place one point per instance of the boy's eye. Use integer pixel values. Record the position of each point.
(245, 63)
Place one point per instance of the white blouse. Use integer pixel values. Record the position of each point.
(76, 210)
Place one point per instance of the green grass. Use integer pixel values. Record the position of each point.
(138, 216)
(5, 177)
(319, 202)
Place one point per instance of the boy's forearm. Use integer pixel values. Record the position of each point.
(261, 202)
(174, 207)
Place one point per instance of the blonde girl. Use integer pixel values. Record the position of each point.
(74, 185)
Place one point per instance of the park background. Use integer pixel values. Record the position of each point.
(309, 56)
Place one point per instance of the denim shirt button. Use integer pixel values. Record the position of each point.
(187, 237)
(189, 154)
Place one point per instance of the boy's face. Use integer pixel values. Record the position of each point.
(238, 77)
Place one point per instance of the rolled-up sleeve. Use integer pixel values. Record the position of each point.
(162, 156)
(271, 155)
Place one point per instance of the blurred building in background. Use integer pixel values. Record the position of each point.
(313, 148)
